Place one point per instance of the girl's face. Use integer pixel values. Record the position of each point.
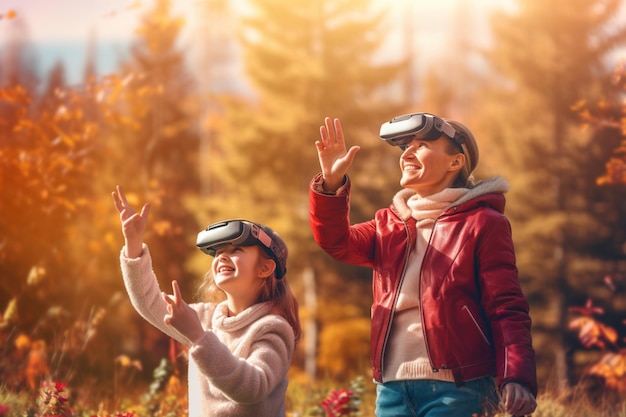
(240, 271)
(428, 167)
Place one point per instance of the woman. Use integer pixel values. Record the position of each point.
(448, 313)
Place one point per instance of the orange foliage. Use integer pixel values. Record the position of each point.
(612, 369)
(615, 172)
(592, 333)
(10, 14)
(37, 368)
(343, 351)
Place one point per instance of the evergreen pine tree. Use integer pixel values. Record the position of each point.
(548, 57)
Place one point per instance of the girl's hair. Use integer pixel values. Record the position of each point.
(284, 302)
(465, 179)
(274, 290)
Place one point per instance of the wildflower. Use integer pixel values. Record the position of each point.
(4, 410)
(338, 403)
(52, 401)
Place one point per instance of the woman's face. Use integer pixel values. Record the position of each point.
(428, 167)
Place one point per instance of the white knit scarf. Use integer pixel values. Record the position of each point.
(425, 209)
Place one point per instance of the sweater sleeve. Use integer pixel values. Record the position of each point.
(145, 294)
(258, 365)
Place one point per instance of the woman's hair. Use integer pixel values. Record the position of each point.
(465, 179)
(274, 290)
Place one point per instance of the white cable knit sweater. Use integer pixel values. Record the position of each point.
(239, 367)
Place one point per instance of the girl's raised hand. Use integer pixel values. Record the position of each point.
(331, 151)
(182, 317)
(133, 223)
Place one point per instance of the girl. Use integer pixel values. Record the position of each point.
(239, 349)
(448, 312)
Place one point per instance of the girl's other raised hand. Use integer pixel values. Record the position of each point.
(334, 159)
(182, 317)
(133, 223)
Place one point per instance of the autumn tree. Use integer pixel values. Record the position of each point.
(546, 58)
(156, 153)
(600, 329)
(264, 153)
(63, 149)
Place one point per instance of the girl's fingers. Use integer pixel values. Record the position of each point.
(145, 210)
(121, 194)
(176, 292)
(119, 199)
(168, 299)
(116, 202)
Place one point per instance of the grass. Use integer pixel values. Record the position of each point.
(303, 400)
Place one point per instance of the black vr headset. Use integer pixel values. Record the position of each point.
(422, 126)
(241, 233)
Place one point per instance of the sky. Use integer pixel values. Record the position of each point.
(61, 29)
(111, 19)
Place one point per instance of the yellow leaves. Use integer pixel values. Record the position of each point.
(126, 362)
(22, 342)
(35, 275)
(162, 227)
(343, 345)
(10, 314)
(133, 199)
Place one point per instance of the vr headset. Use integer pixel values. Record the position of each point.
(240, 233)
(422, 126)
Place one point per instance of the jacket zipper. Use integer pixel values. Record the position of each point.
(430, 358)
(407, 252)
(466, 308)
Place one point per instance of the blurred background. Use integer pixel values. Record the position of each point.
(209, 109)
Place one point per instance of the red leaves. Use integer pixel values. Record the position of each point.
(338, 403)
(53, 402)
(592, 333)
(588, 310)
(611, 367)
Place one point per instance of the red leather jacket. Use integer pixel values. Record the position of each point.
(474, 314)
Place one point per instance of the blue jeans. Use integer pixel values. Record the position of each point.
(430, 398)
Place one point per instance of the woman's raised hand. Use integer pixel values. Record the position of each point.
(331, 151)
(133, 223)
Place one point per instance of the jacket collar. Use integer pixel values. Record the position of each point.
(489, 192)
